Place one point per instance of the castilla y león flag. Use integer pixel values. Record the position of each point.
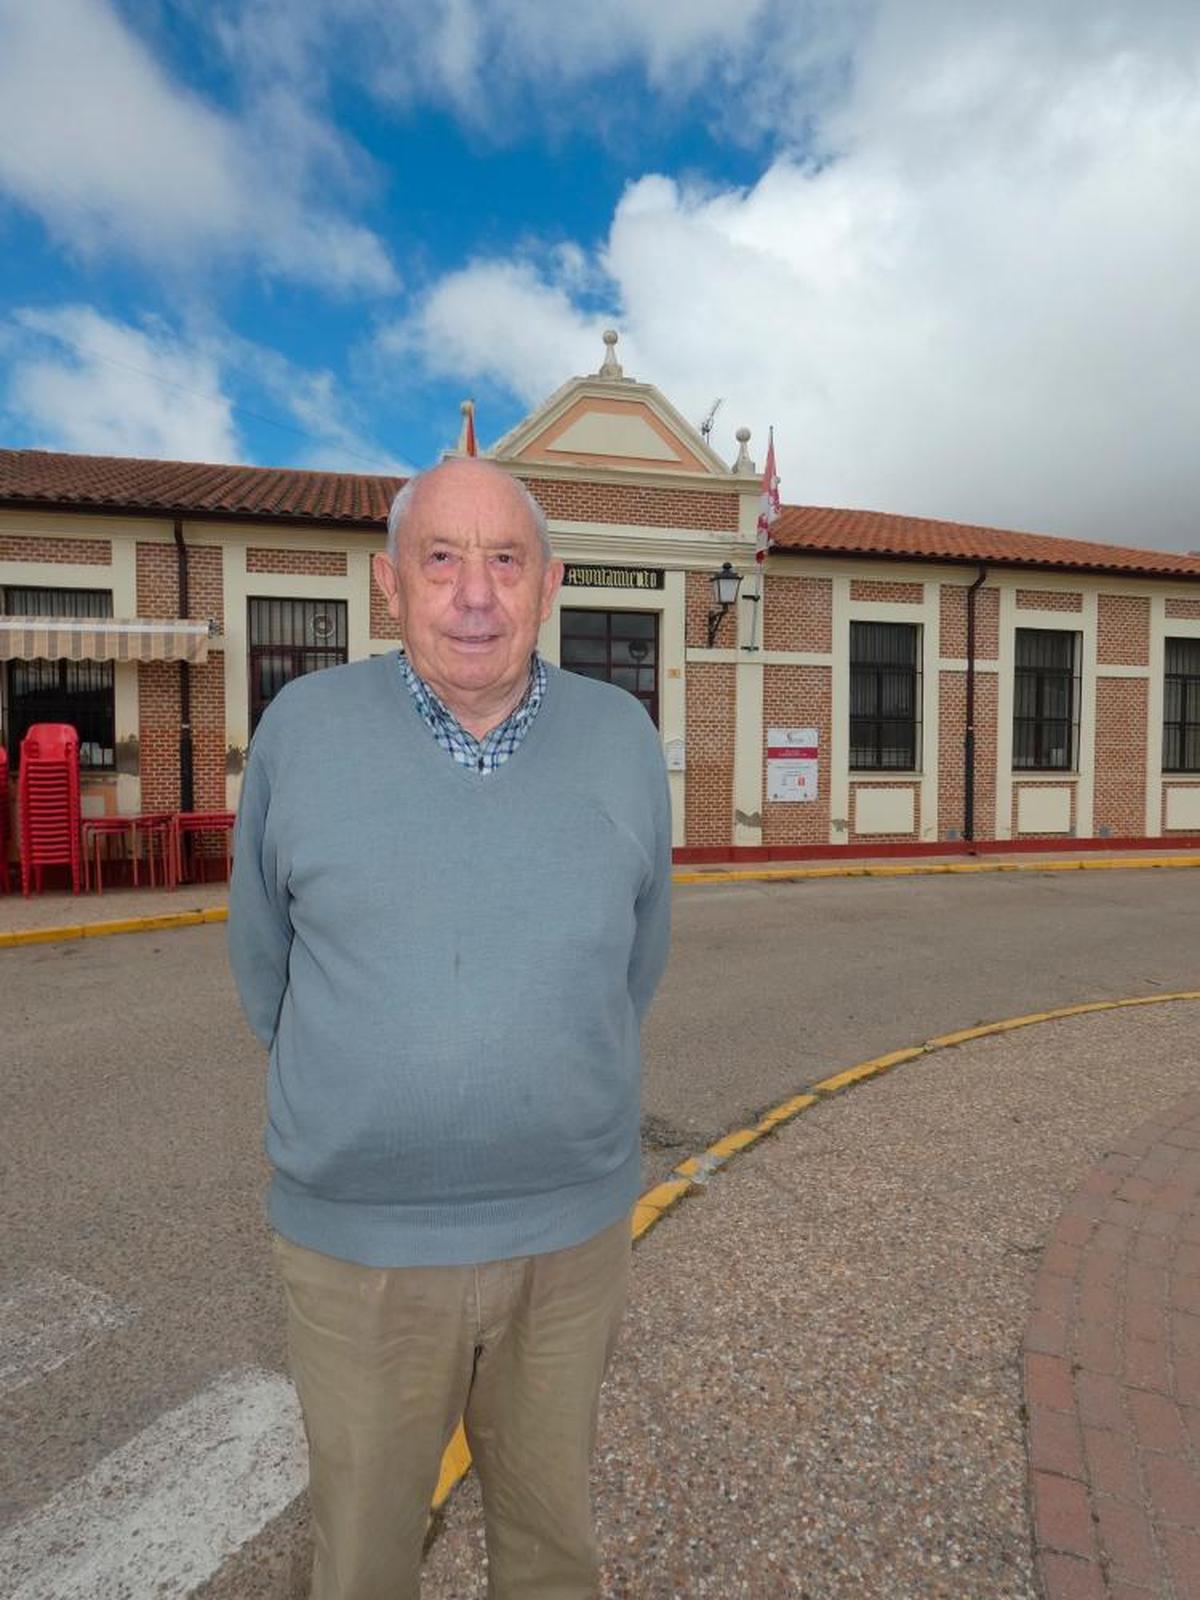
(769, 506)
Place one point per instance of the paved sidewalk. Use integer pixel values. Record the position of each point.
(62, 909)
(59, 910)
(1112, 1374)
(819, 1391)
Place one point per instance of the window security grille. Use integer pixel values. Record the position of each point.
(289, 638)
(76, 692)
(1181, 706)
(1046, 700)
(618, 647)
(885, 696)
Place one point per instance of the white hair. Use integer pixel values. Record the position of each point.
(402, 505)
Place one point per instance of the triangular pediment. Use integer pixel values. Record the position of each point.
(609, 423)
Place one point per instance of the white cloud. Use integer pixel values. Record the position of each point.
(82, 381)
(112, 154)
(79, 381)
(979, 302)
(498, 63)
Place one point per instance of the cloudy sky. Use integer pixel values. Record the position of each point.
(948, 248)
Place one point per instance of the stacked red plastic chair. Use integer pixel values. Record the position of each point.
(48, 803)
(4, 884)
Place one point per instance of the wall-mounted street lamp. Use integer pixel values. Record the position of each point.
(725, 586)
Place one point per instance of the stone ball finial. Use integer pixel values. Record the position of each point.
(610, 367)
(744, 463)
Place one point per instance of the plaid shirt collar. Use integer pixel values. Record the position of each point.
(493, 750)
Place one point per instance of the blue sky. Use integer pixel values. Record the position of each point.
(946, 248)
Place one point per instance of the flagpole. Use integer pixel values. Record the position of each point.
(768, 512)
(753, 645)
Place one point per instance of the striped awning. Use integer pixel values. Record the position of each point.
(102, 639)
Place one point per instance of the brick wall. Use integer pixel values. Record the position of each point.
(158, 733)
(954, 622)
(630, 505)
(208, 732)
(1048, 600)
(797, 614)
(1121, 720)
(798, 697)
(64, 552)
(206, 591)
(1189, 609)
(1123, 631)
(699, 604)
(158, 581)
(951, 756)
(314, 563)
(711, 696)
(912, 594)
(158, 682)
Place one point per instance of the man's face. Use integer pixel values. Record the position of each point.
(470, 585)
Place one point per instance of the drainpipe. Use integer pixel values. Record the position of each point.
(187, 789)
(969, 742)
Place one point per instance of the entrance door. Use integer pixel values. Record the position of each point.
(618, 647)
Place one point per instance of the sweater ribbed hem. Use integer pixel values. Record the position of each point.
(453, 1235)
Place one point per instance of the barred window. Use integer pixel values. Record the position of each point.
(288, 639)
(76, 692)
(885, 696)
(1046, 700)
(1181, 706)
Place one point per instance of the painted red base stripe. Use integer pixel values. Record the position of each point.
(864, 850)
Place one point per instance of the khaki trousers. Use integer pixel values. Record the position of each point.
(386, 1361)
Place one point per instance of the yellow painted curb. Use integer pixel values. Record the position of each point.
(101, 930)
(932, 869)
(695, 1171)
(189, 919)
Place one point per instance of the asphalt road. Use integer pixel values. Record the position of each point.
(131, 1103)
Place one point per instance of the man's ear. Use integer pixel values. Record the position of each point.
(387, 582)
(551, 584)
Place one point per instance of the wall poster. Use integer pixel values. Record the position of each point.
(792, 763)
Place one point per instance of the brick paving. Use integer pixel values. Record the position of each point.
(1112, 1375)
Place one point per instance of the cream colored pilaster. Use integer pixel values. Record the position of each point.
(1085, 798)
(1154, 717)
(123, 578)
(748, 754)
(672, 688)
(1004, 710)
(358, 609)
(839, 716)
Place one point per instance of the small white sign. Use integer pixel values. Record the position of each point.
(792, 763)
(676, 755)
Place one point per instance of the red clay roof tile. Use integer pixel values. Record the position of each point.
(193, 488)
(827, 531)
(190, 488)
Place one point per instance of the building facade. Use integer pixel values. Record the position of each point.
(825, 711)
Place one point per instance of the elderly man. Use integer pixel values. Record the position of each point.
(448, 916)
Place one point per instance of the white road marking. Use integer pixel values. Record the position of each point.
(45, 1320)
(157, 1517)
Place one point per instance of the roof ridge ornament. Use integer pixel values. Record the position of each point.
(744, 465)
(610, 367)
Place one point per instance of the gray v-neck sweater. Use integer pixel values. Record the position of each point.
(449, 969)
